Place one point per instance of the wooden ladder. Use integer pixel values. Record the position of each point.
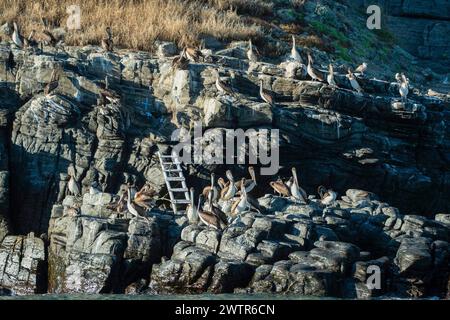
(175, 181)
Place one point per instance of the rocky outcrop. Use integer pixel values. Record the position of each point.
(93, 250)
(398, 153)
(418, 25)
(23, 265)
(311, 250)
(334, 136)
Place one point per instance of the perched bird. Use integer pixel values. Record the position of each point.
(249, 184)
(132, 207)
(106, 94)
(94, 188)
(264, 94)
(223, 87)
(107, 41)
(296, 191)
(222, 184)
(229, 191)
(294, 53)
(180, 62)
(53, 84)
(398, 77)
(250, 53)
(241, 205)
(30, 42)
(208, 218)
(16, 37)
(404, 88)
(216, 211)
(145, 197)
(353, 82)
(327, 196)
(193, 54)
(213, 189)
(192, 210)
(312, 72)
(330, 76)
(361, 68)
(73, 186)
(46, 37)
(280, 187)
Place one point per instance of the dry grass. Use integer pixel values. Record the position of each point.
(138, 23)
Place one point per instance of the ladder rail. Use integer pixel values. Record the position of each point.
(178, 177)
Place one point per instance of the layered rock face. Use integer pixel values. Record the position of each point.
(310, 250)
(334, 136)
(421, 27)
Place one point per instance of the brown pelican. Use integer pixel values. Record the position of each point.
(312, 72)
(211, 188)
(145, 197)
(229, 191)
(193, 54)
(294, 53)
(250, 53)
(53, 84)
(223, 87)
(361, 68)
(192, 210)
(208, 218)
(330, 76)
(16, 37)
(107, 41)
(30, 42)
(46, 37)
(241, 205)
(404, 88)
(354, 83)
(73, 186)
(327, 196)
(94, 188)
(249, 184)
(265, 95)
(180, 62)
(132, 207)
(106, 94)
(296, 191)
(215, 210)
(280, 187)
(221, 183)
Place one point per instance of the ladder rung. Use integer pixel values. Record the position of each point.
(173, 170)
(178, 190)
(171, 163)
(175, 178)
(181, 201)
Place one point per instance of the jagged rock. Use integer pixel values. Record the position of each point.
(443, 218)
(23, 265)
(188, 270)
(414, 255)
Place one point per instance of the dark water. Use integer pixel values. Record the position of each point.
(160, 297)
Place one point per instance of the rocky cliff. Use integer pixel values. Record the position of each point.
(334, 136)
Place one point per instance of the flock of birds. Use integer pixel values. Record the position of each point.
(225, 200)
(221, 203)
(295, 62)
(192, 54)
(132, 201)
